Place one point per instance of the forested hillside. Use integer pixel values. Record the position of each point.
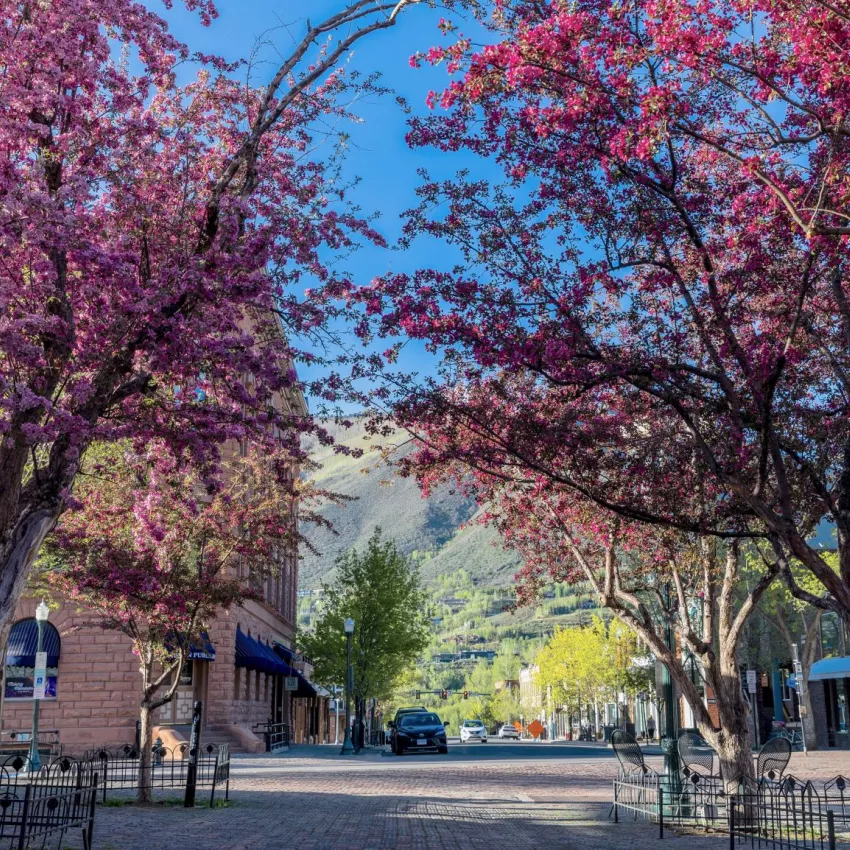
(477, 637)
(440, 533)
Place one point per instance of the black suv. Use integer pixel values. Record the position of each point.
(393, 724)
(419, 731)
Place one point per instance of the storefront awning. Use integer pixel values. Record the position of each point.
(200, 648)
(277, 666)
(830, 668)
(23, 644)
(305, 688)
(284, 652)
(255, 655)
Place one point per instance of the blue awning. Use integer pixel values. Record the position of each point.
(305, 688)
(830, 668)
(200, 648)
(277, 667)
(23, 644)
(254, 655)
(284, 652)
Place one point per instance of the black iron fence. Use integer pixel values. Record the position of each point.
(276, 736)
(39, 808)
(770, 818)
(119, 768)
(785, 815)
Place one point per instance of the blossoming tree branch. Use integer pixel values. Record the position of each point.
(155, 241)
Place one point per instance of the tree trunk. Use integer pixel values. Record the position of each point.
(17, 555)
(144, 794)
(734, 752)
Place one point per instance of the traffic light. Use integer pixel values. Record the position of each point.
(418, 696)
(466, 694)
(444, 694)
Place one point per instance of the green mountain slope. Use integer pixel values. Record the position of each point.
(440, 532)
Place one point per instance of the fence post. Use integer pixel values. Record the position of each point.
(215, 778)
(616, 810)
(660, 811)
(731, 823)
(830, 828)
(89, 832)
(22, 840)
(194, 752)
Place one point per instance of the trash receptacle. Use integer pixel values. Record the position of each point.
(607, 732)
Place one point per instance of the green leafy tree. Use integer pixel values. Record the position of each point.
(589, 663)
(380, 590)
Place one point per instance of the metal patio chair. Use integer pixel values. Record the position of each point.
(701, 791)
(772, 759)
(629, 754)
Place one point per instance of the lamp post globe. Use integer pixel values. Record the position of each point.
(347, 746)
(41, 615)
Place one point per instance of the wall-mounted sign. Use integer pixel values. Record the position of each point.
(291, 683)
(751, 681)
(18, 682)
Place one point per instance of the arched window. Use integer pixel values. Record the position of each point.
(20, 659)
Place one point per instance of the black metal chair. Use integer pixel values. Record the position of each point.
(629, 754)
(632, 765)
(701, 792)
(772, 759)
(695, 756)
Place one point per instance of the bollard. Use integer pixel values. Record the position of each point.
(157, 752)
(194, 752)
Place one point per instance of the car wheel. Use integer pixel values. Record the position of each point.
(483, 740)
(399, 751)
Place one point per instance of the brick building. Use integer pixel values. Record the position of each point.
(240, 671)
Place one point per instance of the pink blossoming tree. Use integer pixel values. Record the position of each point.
(656, 302)
(154, 556)
(155, 240)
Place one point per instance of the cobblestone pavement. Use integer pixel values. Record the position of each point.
(316, 800)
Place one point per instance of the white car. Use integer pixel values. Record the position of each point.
(473, 730)
(509, 731)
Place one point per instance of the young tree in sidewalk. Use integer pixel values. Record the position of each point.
(156, 556)
(153, 235)
(379, 589)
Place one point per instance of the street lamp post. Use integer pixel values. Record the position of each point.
(668, 742)
(347, 747)
(41, 614)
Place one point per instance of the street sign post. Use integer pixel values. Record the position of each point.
(39, 678)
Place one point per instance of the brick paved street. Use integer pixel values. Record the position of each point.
(312, 799)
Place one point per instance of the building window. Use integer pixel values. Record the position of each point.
(186, 674)
(20, 660)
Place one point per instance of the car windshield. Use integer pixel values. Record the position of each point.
(472, 724)
(421, 719)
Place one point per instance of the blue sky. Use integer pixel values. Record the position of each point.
(379, 155)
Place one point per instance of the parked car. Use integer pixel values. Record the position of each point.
(419, 731)
(509, 731)
(473, 730)
(402, 712)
